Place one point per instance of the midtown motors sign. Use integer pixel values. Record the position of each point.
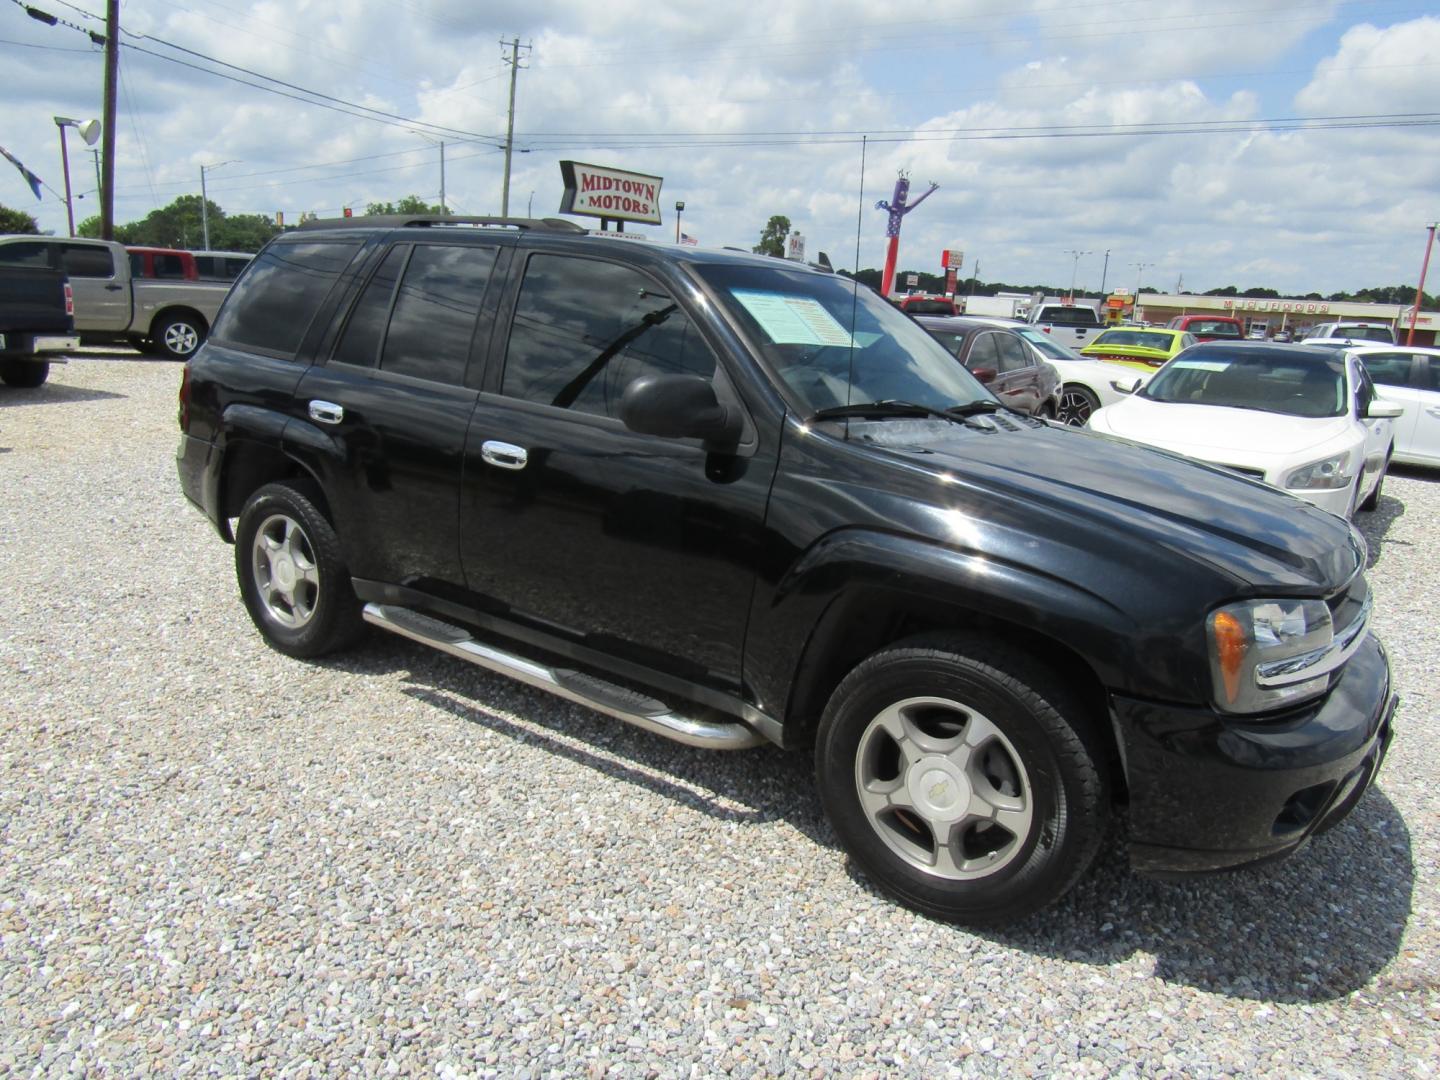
(610, 193)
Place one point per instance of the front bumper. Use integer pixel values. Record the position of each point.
(1336, 500)
(1211, 792)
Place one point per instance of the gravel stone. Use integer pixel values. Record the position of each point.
(217, 860)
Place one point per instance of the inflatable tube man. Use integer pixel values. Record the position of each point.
(897, 208)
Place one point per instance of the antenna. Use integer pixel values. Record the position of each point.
(855, 283)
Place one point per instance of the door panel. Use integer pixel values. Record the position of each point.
(101, 288)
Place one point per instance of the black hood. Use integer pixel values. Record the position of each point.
(1256, 534)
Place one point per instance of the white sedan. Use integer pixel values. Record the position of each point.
(1304, 420)
(1410, 377)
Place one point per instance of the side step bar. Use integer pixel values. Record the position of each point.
(579, 687)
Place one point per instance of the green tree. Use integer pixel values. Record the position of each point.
(772, 237)
(241, 232)
(17, 221)
(410, 204)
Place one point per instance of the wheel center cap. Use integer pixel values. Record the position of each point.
(939, 789)
(285, 572)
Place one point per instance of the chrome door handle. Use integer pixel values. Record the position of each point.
(326, 412)
(1433, 410)
(503, 455)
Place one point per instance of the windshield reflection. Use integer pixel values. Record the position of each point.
(834, 342)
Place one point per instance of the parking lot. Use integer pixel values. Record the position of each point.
(217, 859)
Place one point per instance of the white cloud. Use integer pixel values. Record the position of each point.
(1295, 210)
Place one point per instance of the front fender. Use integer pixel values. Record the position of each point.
(833, 597)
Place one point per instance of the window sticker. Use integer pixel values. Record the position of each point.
(1202, 365)
(792, 320)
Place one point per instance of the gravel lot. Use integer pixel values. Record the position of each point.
(217, 860)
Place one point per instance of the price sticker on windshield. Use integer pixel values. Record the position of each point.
(792, 320)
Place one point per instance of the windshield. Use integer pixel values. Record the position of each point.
(1291, 387)
(800, 323)
(1142, 339)
(1049, 347)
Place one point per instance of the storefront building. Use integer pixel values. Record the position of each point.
(1269, 317)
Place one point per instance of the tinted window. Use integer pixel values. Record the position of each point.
(1070, 316)
(984, 353)
(81, 260)
(929, 307)
(1014, 354)
(583, 329)
(1388, 369)
(25, 253)
(1431, 378)
(435, 310)
(360, 344)
(271, 307)
(169, 266)
(137, 264)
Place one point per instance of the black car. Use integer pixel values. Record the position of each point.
(1000, 358)
(732, 499)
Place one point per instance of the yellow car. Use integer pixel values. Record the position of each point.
(1142, 347)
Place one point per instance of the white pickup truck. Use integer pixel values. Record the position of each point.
(169, 318)
(1072, 325)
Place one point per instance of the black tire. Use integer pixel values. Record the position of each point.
(24, 374)
(176, 337)
(1076, 404)
(297, 589)
(1374, 500)
(1043, 763)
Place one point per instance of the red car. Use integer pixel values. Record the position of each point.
(1209, 327)
(921, 304)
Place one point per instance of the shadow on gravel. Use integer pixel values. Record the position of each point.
(1310, 929)
(1375, 524)
(753, 786)
(51, 393)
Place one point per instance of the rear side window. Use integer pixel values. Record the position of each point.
(435, 311)
(365, 330)
(84, 261)
(25, 253)
(583, 329)
(1388, 369)
(270, 308)
(169, 266)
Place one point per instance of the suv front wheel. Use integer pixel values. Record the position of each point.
(292, 578)
(962, 778)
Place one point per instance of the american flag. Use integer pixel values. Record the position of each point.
(686, 238)
(30, 177)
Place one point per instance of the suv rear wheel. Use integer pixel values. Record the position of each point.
(292, 579)
(962, 778)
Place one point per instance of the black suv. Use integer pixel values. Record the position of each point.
(731, 499)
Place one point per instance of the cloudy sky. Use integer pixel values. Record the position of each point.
(1281, 143)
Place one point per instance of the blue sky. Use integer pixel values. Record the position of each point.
(711, 97)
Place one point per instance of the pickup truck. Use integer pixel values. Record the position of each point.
(731, 500)
(1072, 325)
(169, 318)
(36, 323)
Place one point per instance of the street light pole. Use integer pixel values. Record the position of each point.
(679, 209)
(1135, 303)
(205, 204)
(89, 131)
(1074, 269)
(1420, 289)
(1105, 273)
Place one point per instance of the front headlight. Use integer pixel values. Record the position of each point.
(1249, 644)
(1320, 475)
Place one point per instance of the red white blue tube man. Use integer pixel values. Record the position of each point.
(897, 208)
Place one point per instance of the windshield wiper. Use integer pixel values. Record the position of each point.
(976, 407)
(888, 407)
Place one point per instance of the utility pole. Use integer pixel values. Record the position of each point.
(443, 208)
(514, 61)
(1105, 272)
(1420, 291)
(1074, 267)
(112, 77)
(1135, 303)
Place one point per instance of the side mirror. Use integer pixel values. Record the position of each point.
(1384, 410)
(678, 407)
(1126, 386)
(985, 374)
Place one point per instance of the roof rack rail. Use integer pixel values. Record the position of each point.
(424, 221)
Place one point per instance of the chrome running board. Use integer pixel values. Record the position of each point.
(577, 686)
